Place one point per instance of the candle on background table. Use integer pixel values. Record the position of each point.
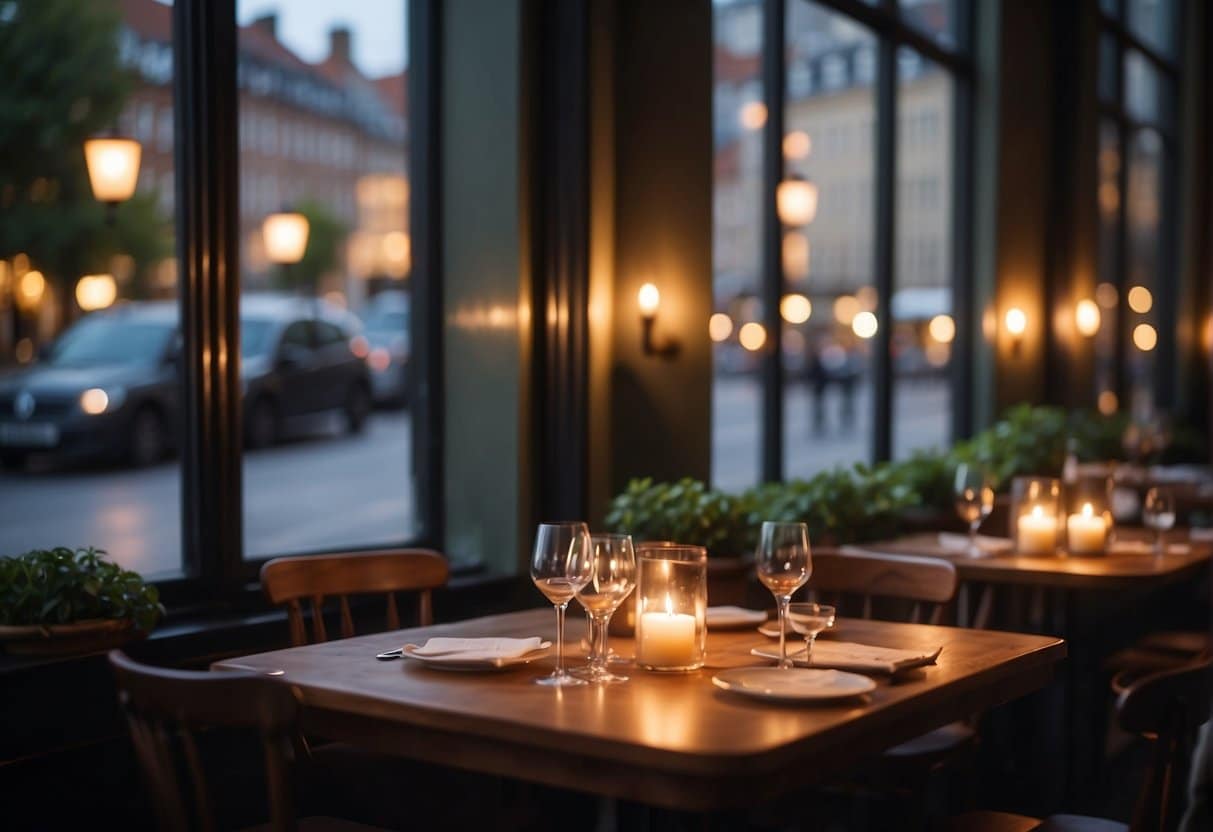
(1037, 532)
(1086, 532)
(666, 638)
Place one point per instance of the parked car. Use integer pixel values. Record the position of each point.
(110, 386)
(386, 330)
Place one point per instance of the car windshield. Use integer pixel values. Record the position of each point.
(388, 322)
(255, 337)
(112, 341)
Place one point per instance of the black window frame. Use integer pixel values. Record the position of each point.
(207, 159)
(892, 32)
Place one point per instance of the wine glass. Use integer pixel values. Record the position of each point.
(612, 579)
(560, 566)
(974, 495)
(784, 565)
(1158, 513)
(809, 620)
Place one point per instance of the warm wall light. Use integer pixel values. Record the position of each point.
(846, 307)
(864, 324)
(1145, 337)
(1140, 299)
(796, 201)
(113, 168)
(30, 288)
(795, 308)
(96, 291)
(797, 145)
(720, 327)
(752, 336)
(1016, 323)
(1087, 317)
(1108, 403)
(285, 235)
(648, 299)
(942, 328)
(753, 115)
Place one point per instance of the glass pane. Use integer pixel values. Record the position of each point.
(1147, 98)
(1154, 22)
(1107, 297)
(324, 323)
(1143, 214)
(936, 18)
(89, 388)
(827, 355)
(1110, 7)
(1109, 69)
(737, 254)
(923, 322)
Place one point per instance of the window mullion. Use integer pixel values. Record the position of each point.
(886, 193)
(774, 73)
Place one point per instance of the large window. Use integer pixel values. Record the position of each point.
(833, 337)
(94, 360)
(1138, 72)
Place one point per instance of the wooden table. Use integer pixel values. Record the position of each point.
(668, 740)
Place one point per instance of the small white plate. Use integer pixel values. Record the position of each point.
(450, 662)
(734, 618)
(771, 630)
(795, 685)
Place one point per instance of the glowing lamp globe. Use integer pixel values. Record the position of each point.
(113, 168)
(285, 236)
(796, 202)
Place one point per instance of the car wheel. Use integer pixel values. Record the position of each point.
(13, 460)
(357, 408)
(262, 428)
(146, 444)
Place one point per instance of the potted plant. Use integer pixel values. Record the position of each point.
(60, 601)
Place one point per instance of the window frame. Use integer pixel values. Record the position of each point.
(892, 32)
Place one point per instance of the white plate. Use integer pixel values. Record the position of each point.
(734, 618)
(795, 685)
(455, 663)
(771, 630)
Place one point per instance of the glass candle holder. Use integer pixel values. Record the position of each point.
(1089, 515)
(1036, 517)
(671, 606)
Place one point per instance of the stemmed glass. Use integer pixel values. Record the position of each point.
(1158, 513)
(974, 495)
(612, 579)
(560, 566)
(784, 565)
(809, 620)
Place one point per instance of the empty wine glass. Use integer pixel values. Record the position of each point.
(612, 579)
(974, 494)
(1158, 513)
(560, 566)
(809, 620)
(784, 565)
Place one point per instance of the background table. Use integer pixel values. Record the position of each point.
(669, 740)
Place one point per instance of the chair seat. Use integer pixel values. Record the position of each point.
(1007, 822)
(942, 741)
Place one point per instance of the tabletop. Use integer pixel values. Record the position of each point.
(670, 740)
(1108, 571)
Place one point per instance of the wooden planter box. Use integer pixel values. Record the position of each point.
(65, 639)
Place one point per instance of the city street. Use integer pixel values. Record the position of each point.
(327, 490)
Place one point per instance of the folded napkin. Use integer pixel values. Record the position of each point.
(477, 649)
(861, 658)
(730, 616)
(1146, 547)
(954, 542)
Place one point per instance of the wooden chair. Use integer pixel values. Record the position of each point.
(165, 710)
(927, 584)
(293, 580)
(1166, 708)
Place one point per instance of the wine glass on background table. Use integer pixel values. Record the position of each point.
(784, 566)
(974, 495)
(809, 620)
(1158, 513)
(561, 564)
(612, 579)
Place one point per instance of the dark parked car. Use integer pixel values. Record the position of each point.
(110, 385)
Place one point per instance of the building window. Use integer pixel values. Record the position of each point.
(863, 374)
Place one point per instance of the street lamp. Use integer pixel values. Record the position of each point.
(113, 169)
(796, 201)
(285, 236)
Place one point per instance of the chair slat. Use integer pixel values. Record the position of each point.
(319, 633)
(393, 615)
(347, 620)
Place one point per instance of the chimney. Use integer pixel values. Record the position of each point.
(268, 23)
(339, 43)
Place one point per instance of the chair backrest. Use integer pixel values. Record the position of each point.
(1167, 707)
(165, 709)
(315, 577)
(928, 584)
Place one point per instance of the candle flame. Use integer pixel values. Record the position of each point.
(669, 604)
(1087, 511)
(1038, 512)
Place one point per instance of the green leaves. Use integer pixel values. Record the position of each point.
(59, 586)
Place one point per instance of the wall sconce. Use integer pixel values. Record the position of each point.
(1087, 317)
(649, 299)
(1016, 323)
(113, 170)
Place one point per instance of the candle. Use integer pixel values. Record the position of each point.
(1037, 532)
(666, 639)
(1086, 532)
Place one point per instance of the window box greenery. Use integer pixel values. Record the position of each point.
(60, 601)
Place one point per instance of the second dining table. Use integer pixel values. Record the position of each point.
(669, 740)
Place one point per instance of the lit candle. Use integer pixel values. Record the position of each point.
(1037, 532)
(1086, 532)
(667, 639)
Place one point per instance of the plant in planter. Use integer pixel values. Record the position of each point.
(65, 601)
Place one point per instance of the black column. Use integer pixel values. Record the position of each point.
(773, 72)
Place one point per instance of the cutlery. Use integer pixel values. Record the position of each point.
(388, 655)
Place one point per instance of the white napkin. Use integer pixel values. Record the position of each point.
(954, 542)
(477, 649)
(730, 616)
(862, 658)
